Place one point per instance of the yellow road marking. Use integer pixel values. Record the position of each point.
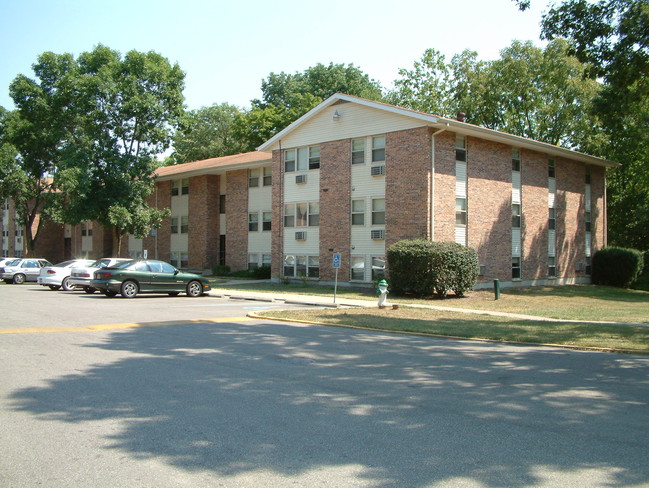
(127, 325)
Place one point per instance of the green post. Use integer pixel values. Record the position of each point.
(497, 289)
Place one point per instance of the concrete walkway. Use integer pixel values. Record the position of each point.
(341, 302)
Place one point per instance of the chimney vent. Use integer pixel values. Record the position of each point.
(461, 116)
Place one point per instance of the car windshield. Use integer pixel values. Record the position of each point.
(64, 264)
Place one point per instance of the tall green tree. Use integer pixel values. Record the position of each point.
(126, 111)
(613, 36)
(532, 92)
(286, 97)
(31, 137)
(207, 133)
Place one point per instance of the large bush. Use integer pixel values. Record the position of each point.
(425, 267)
(617, 266)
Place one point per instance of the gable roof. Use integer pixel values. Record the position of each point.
(213, 165)
(440, 123)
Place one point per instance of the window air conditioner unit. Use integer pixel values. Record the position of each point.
(378, 170)
(300, 179)
(377, 234)
(300, 236)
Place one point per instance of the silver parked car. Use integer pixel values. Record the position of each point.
(81, 275)
(3, 261)
(58, 276)
(21, 270)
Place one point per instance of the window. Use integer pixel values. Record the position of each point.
(253, 178)
(222, 204)
(552, 266)
(460, 211)
(314, 157)
(552, 219)
(588, 265)
(516, 215)
(358, 212)
(174, 225)
(378, 268)
(358, 151)
(289, 265)
(378, 148)
(588, 221)
(184, 224)
(516, 268)
(175, 188)
(180, 187)
(267, 218)
(551, 169)
(588, 175)
(378, 211)
(185, 187)
(313, 267)
(222, 250)
(516, 160)
(300, 266)
(289, 215)
(253, 261)
(289, 160)
(314, 214)
(460, 148)
(86, 229)
(178, 259)
(253, 222)
(266, 260)
(358, 268)
(268, 176)
(302, 214)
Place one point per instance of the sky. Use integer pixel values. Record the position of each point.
(226, 48)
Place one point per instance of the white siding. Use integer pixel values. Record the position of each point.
(587, 203)
(516, 187)
(179, 243)
(86, 244)
(259, 242)
(311, 246)
(222, 220)
(588, 244)
(552, 242)
(552, 191)
(460, 179)
(355, 121)
(516, 243)
(305, 192)
(180, 205)
(460, 235)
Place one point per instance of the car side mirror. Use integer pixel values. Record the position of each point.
(176, 272)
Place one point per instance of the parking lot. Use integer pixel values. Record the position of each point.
(176, 391)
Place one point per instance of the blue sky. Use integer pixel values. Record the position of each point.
(226, 48)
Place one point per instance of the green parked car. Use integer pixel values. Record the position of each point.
(147, 276)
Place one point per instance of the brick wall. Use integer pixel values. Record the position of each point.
(408, 161)
(444, 191)
(335, 211)
(571, 233)
(598, 206)
(161, 246)
(236, 223)
(277, 226)
(203, 221)
(534, 213)
(489, 212)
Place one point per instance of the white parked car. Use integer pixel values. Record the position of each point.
(81, 275)
(20, 270)
(58, 276)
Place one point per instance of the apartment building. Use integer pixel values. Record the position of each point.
(353, 176)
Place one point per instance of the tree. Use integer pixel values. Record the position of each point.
(208, 132)
(531, 92)
(126, 112)
(30, 138)
(613, 36)
(286, 97)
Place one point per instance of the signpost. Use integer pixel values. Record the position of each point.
(336, 265)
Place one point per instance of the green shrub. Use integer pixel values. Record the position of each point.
(617, 266)
(221, 270)
(261, 273)
(425, 267)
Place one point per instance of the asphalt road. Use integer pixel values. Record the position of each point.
(181, 392)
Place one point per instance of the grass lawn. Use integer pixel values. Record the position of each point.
(457, 324)
(578, 302)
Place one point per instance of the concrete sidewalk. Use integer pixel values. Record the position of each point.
(341, 302)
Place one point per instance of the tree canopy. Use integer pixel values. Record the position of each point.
(85, 134)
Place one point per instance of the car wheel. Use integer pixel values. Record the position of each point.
(194, 289)
(54, 287)
(89, 289)
(65, 284)
(19, 278)
(109, 294)
(129, 289)
(174, 293)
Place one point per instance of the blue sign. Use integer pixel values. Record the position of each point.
(336, 262)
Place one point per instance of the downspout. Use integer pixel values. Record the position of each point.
(432, 182)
